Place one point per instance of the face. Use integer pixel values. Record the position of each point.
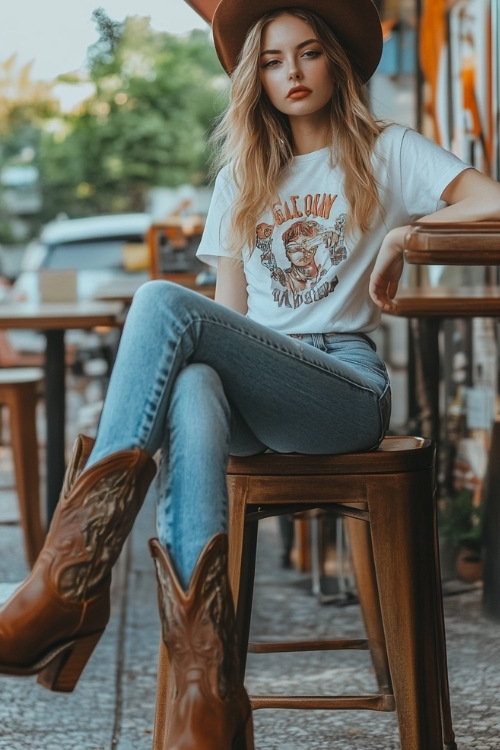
(302, 250)
(294, 69)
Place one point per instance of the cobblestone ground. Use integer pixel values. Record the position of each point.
(473, 657)
(112, 707)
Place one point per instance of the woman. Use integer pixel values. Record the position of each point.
(270, 364)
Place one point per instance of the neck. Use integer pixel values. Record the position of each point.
(309, 134)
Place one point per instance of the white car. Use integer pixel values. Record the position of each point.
(96, 248)
(99, 249)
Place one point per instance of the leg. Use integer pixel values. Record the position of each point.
(287, 534)
(191, 485)
(191, 482)
(292, 396)
(175, 370)
(364, 572)
(22, 416)
(55, 389)
(170, 332)
(406, 574)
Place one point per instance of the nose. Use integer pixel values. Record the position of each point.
(294, 73)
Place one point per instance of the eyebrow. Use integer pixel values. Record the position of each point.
(298, 47)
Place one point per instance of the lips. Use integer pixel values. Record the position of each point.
(298, 92)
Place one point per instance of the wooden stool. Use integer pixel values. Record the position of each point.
(387, 498)
(18, 392)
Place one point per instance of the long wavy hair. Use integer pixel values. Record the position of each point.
(256, 140)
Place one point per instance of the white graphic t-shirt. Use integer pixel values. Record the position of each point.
(305, 274)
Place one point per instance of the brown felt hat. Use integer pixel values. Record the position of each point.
(355, 23)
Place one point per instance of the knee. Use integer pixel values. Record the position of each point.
(199, 403)
(197, 380)
(150, 294)
(156, 305)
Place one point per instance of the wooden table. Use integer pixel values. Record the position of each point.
(472, 244)
(53, 320)
(122, 290)
(476, 244)
(431, 306)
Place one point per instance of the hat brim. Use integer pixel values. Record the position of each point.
(355, 23)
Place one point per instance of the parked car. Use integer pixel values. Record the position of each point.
(95, 247)
(100, 249)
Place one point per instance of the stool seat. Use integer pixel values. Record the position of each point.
(19, 393)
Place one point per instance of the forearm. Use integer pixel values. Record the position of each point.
(482, 206)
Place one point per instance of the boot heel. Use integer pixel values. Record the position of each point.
(63, 672)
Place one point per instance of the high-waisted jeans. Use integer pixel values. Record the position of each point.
(197, 381)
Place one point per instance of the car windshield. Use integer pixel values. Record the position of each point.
(90, 254)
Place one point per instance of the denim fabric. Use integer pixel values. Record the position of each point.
(198, 381)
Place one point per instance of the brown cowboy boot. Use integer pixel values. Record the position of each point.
(53, 621)
(210, 708)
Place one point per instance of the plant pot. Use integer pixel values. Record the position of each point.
(468, 565)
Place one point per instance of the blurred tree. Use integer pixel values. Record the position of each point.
(25, 105)
(156, 99)
(23, 101)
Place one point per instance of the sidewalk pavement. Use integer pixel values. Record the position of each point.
(112, 707)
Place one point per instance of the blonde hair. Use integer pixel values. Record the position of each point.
(255, 138)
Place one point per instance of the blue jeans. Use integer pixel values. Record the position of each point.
(197, 381)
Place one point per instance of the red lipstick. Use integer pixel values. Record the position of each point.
(298, 92)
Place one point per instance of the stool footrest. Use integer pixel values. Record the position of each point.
(327, 702)
(283, 509)
(278, 647)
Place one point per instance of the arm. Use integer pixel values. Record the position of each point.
(472, 196)
(231, 287)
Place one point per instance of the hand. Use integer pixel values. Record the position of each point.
(384, 279)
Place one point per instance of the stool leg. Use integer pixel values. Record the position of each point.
(241, 563)
(245, 597)
(403, 510)
(366, 583)
(22, 411)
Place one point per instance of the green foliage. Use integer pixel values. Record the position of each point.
(157, 97)
(460, 519)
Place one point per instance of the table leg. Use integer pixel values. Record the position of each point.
(55, 401)
(425, 337)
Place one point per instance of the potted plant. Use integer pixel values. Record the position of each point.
(460, 524)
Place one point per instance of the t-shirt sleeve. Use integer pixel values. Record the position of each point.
(212, 245)
(426, 171)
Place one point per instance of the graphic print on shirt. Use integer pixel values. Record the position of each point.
(302, 267)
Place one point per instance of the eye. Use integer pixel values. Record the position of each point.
(311, 53)
(270, 63)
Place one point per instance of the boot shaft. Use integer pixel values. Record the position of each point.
(198, 625)
(95, 514)
(52, 622)
(207, 706)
